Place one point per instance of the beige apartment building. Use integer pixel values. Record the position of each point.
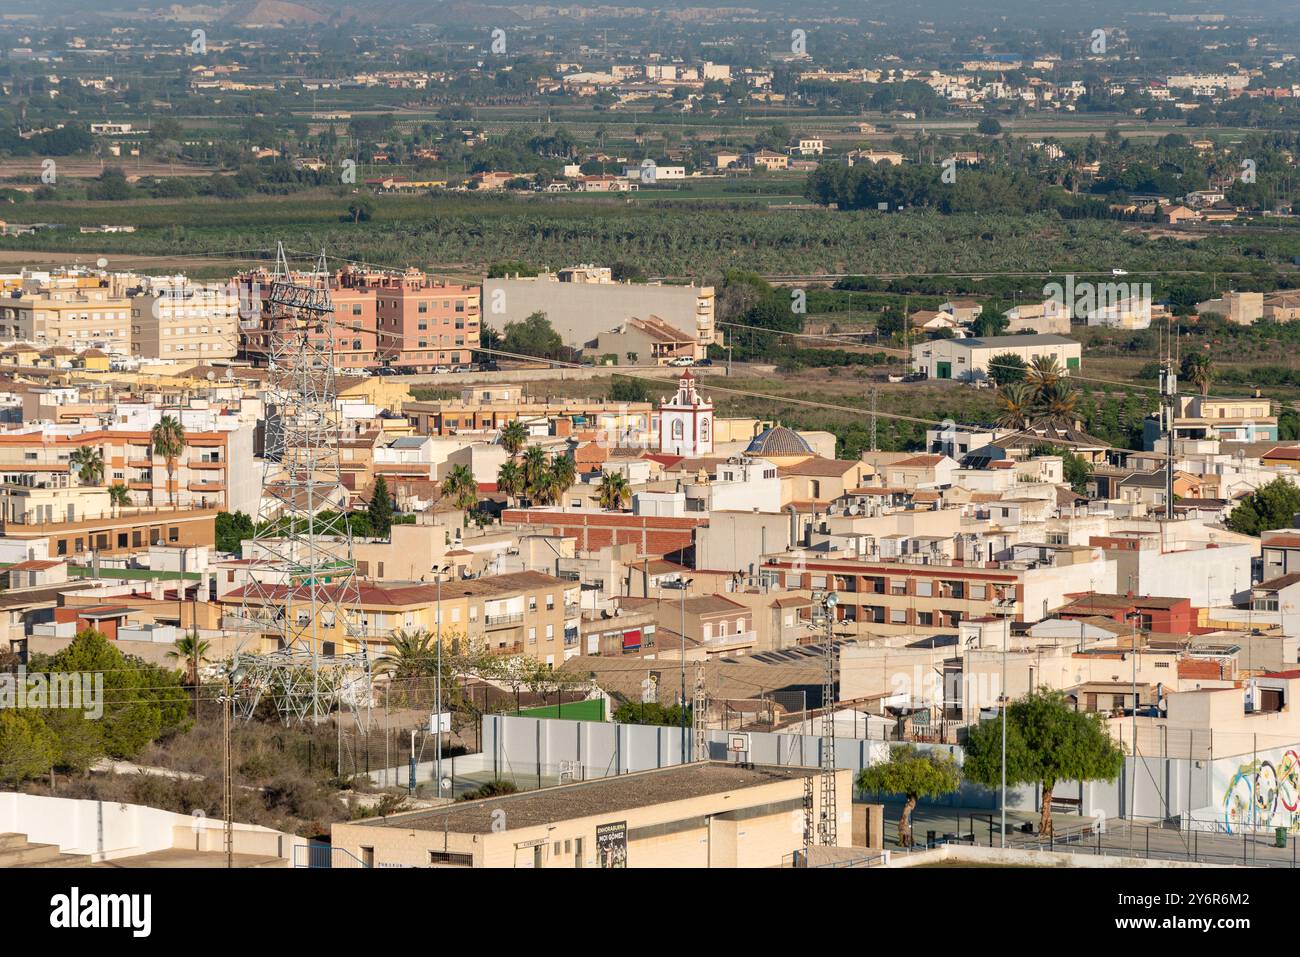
(520, 613)
(173, 318)
(705, 814)
(215, 470)
(70, 315)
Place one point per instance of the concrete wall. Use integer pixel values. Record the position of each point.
(106, 830)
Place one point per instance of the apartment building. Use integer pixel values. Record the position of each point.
(72, 313)
(526, 613)
(1225, 419)
(173, 318)
(392, 319)
(216, 469)
(487, 408)
(911, 592)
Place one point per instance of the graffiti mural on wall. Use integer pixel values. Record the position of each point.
(1262, 793)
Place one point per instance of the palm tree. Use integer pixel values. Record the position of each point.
(192, 650)
(1056, 404)
(413, 654)
(89, 463)
(168, 441)
(1043, 372)
(534, 466)
(118, 495)
(1015, 400)
(461, 488)
(514, 437)
(563, 473)
(1198, 369)
(614, 490)
(510, 480)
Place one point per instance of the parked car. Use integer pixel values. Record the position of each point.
(705, 362)
(386, 370)
(682, 361)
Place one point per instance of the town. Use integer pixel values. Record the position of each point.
(579, 438)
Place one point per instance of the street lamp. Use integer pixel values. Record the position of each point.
(684, 584)
(227, 699)
(437, 694)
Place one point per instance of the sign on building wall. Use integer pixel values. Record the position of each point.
(611, 844)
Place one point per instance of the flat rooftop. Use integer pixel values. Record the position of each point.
(605, 796)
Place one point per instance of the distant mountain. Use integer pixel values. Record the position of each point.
(276, 13)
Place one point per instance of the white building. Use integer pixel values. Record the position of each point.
(967, 360)
(686, 421)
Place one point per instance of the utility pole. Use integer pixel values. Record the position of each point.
(684, 584)
(874, 448)
(827, 832)
(437, 729)
(1169, 400)
(697, 714)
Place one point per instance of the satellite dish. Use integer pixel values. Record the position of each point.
(101, 262)
(446, 784)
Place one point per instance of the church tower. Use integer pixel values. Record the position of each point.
(686, 421)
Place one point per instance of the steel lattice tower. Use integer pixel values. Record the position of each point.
(698, 707)
(827, 831)
(303, 590)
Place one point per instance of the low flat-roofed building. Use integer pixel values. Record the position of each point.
(704, 814)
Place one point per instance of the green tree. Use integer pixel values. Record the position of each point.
(534, 336)
(361, 210)
(1007, 368)
(914, 775)
(989, 126)
(411, 654)
(232, 529)
(990, 322)
(1270, 506)
(1198, 369)
(460, 488)
(514, 436)
(88, 462)
(168, 441)
(534, 469)
(624, 389)
(191, 652)
(563, 473)
(142, 702)
(381, 508)
(614, 491)
(510, 480)
(119, 496)
(1015, 405)
(1048, 741)
(27, 747)
(650, 712)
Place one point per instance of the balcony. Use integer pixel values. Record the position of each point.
(207, 486)
(501, 621)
